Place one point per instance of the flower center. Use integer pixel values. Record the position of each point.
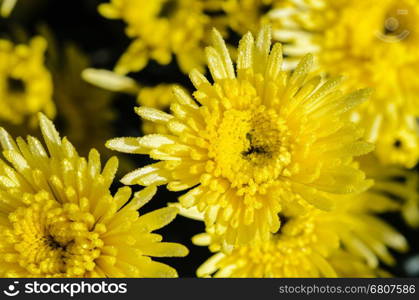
(168, 8)
(15, 85)
(252, 146)
(404, 141)
(397, 144)
(51, 239)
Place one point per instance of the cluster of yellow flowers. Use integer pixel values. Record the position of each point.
(373, 45)
(161, 28)
(25, 83)
(287, 159)
(269, 159)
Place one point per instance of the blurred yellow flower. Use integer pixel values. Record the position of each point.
(398, 142)
(261, 141)
(246, 15)
(373, 44)
(159, 96)
(7, 7)
(348, 242)
(59, 219)
(160, 28)
(25, 83)
(85, 111)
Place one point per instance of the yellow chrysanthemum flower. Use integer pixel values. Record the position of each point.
(373, 44)
(25, 83)
(259, 142)
(161, 28)
(59, 219)
(7, 7)
(348, 242)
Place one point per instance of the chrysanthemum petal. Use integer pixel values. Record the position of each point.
(158, 218)
(126, 145)
(153, 114)
(164, 250)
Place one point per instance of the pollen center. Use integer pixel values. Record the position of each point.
(253, 146)
(52, 240)
(168, 8)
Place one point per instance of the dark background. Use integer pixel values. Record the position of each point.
(104, 41)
